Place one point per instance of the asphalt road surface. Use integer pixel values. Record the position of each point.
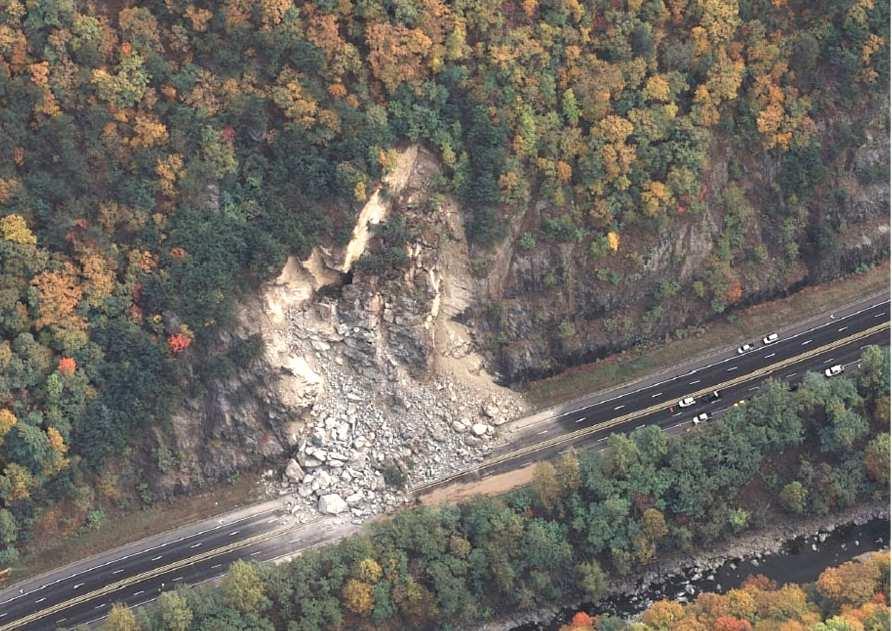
(140, 576)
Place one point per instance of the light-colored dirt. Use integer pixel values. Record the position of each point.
(492, 485)
(322, 274)
(455, 356)
(375, 209)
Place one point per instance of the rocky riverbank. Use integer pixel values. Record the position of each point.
(629, 595)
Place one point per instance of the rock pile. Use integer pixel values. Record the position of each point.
(397, 394)
(376, 431)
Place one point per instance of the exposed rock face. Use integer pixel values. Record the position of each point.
(554, 305)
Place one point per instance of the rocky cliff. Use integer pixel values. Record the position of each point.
(369, 381)
(554, 305)
(381, 358)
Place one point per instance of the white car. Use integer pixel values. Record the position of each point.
(771, 338)
(744, 348)
(834, 370)
(687, 402)
(703, 416)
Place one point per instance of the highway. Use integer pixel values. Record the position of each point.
(94, 605)
(737, 377)
(135, 574)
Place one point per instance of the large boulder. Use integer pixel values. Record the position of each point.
(332, 504)
(479, 429)
(293, 471)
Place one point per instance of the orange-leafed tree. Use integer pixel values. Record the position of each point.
(850, 584)
(67, 366)
(397, 54)
(662, 614)
(178, 342)
(60, 449)
(876, 458)
(730, 623)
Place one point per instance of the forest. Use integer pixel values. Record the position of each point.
(161, 158)
(584, 519)
(851, 597)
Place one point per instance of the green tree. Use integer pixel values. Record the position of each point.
(9, 530)
(546, 486)
(174, 612)
(844, 429)
(793, 497)
(591, 580)
(243, 588)
(874, 375)
(739, 519)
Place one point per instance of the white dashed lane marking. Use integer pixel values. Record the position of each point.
(770, 355)
(619, 407)
(693, 382)
(654, 396)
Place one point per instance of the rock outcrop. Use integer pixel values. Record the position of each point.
(554, 305)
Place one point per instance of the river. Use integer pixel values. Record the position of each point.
(800, 561)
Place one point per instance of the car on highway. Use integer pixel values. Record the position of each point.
(703, 416)
(715, 396)
(744, 348)
(771, 338)
(687, 402)
(834, 370)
